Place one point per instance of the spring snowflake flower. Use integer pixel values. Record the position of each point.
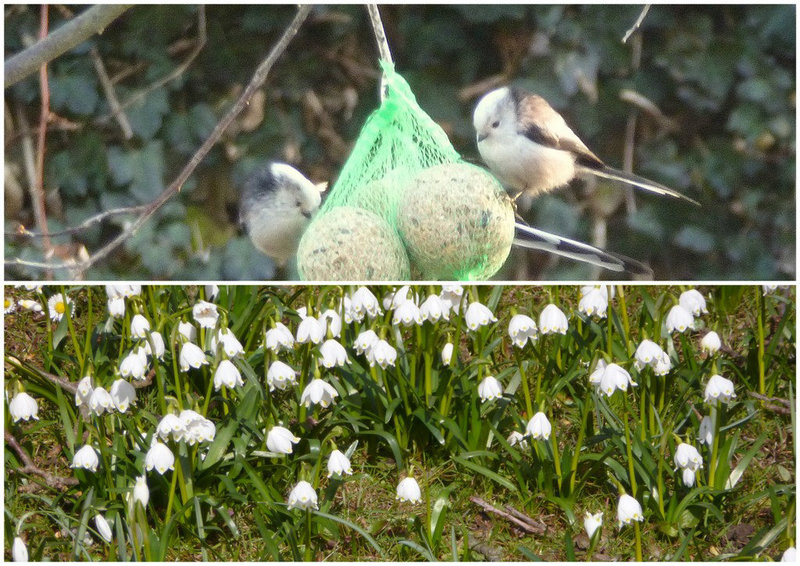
(30, 305)
(688, 476)
(365, 340)
(100, 401)
(227, 374)
(719, 389)
(139, 327)
(650, 354)
(447, 354)
(57, 305)
(230, 344)
(679, 319)
(187, 330)
(407, 313)
(628, 510)
(280, 440)
(19, 552)
(280, 376)
(171, 426)
(382, 353)
(191, 356)
(122, 290)
(333, 354)
(116, 307)
(85, 458)
(711, 343)
(211, 291)
(122, 394)
(318, 392)
(521, 329)
(408, 490)
(141, 493)
(693, 301)
(160, 458)
(333, 320)
(539, 427)
(103, 529)
(84, 391)
(517, 437)
(398, 297)
(198, 428)
(310, 330)
(23, 407)
(592, 522)
(155, 345)
(489, 389)
(705, 434)
(303, 497)
(205, 314)
(608, 378)
(279, 337)
(594, 303)
(433, 309)
(452, 294)
(134, 365)
(687, 456)
(552, 320)
(478, 315)
(364, 302)
(339, 464)
(789, 555)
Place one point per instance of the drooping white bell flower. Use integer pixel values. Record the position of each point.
(154, 345)
(452, 295)
(478, 315)
(84, 391)
(318, 392)
(592, 522)
(116, 307)
(191, 356)
(489, 388)
(663, 365)
(365, 302)
(134, 365)
(159, 458)
(693, 301)
(187, 330)
(23, 407)
(433, 309)
(280, 440)
(333, 354)
(611, 378)
(230, 344)
(100, 401)
(303, 497)
(447, 354)
(85, 458)
(171, 426)
(123, 395)
(517, 438)
(407, 313)
(408, 490)
(679, 319)
(594, 303)
(687, 456)
(339, 464)
(705, 434)
(141, 493)
(539, 427)
(279, 337)
(382, 353)
(205, 314)
(211, 291)
(198, 428)
(711, 343)
(719, 389)
(552, 320)
(331, 319)
(521, 329)
(280, 376)
(647, 353)
(310, 330)
(227, 374)
(139, 327)
(688, 477)
(628, 510)
(103, 529)
(19, 552)
(365, 340)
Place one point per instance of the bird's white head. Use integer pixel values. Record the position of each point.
(494, 115)
(296, 186)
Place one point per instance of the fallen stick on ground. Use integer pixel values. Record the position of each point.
(528, 525)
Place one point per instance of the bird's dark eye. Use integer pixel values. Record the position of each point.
(496, 123)
(298, 204)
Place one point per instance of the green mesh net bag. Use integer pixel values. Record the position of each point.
(407, 206)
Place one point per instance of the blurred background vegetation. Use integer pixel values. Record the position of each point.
(721, 80)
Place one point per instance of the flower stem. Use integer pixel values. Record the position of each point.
(637, 533)
(760, 318)
(525, 389)
(629, 450)
(308, 553)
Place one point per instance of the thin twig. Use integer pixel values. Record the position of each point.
(637, 24)
(259, 77)
(785, 408)
(108, 88)
(39, 213)
(52, 480)
(541, 527)
(86, 224)
(508, 517)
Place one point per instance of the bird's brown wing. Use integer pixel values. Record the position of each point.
(543, 125)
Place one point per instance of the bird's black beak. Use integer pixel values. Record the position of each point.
(307, 214)
(482, 137)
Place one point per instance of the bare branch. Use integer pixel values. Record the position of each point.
(108, 88)
(52, 480)
(637, 24)
(92, 21)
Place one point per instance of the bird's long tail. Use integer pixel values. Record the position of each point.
(638, 182)
(535, 239)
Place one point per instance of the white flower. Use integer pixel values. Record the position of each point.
(100, 401)
(592, 522)
(365, 340)
(628, 509)
(364, 302)
(478, 315)
(397, 298)
(31, 305)
(705, 435)
(303, 497)
(597, 375)
(57, 306)
(447, 354)
(123, 290)
(134, 365)
(407, 313)
(539, 427)
(552, 320)
(333, 354)
(789, 555)
(205, 314)
(227, 374)
(122, 395)
(693, 301)
(198, 428)
(595, 302)
(279, 337)
(382, 353)
(687, 456)
(339, 464)
(517, 437)
(408, 490)
(139, 327)
(586, 289)
(116, 307)
(711, 343)
(19, 552)
(310, 330)
(489, 389)
(663, 365)
(767, 289)
(102, 528)
(187, 330)
(688, 477)
(9, 305)
(23, 407)
(84, 391)
(171, 425)
(611, 378)
(331, 319)
(141, 493)
(160, 458)
(433, 309)
(230, 344)
(85, 458)
(680, 319)
(155, 343)
(191, 356)
(521, 329)
(452, 294)
(212, 291)
(719, 389)
(647, 353)
(318, 392)
(280, 376)
(280, 440)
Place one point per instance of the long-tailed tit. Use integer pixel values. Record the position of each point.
(530, 148)
(276, 205)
